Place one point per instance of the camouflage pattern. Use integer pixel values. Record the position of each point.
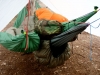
(48, 28)
(45, 57)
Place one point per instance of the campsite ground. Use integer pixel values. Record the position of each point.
(12, 63)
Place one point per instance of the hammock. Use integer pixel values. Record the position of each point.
(58, 42)
(17, 43)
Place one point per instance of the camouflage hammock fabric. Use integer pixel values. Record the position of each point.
(48, 54)
(45, 57)
(47, 28)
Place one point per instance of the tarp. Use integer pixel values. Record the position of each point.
(21, 16)
(9, 9)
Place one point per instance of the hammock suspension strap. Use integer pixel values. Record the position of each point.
(26, 26)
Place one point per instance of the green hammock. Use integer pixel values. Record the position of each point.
(18, 43)
(77, 21)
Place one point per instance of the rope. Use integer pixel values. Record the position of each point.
(95, 27)
(54, 6)
(90, 56)
(26, 26)
(95, 20)
(90, 45)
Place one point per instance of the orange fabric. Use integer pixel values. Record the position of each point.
(44, 13)
(58, 17)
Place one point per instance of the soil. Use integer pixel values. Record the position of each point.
(84, 60)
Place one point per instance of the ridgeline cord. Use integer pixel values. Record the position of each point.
(90, 56)
(93, 22)
(54, 6)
